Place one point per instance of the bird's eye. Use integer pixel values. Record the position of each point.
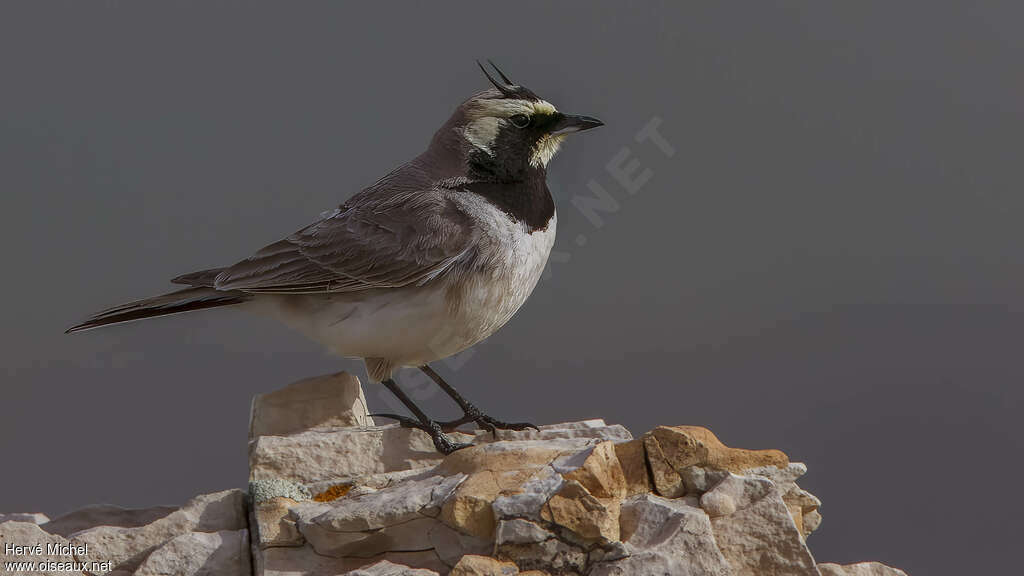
(519, 120)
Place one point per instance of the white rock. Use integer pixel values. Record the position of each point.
(385, 568)
(586, 429)
(519, 531)
(741, 490)
(224, 553)
(532, 495)
(662, 537)
(128, 547)
(451, 545)
(760, 538)
(29, 534)
(396, 518)
(859, 569)
(718, 503)
(396, 504)
(800, 502)
(782, 477)
(321, 402)
(305, 561)
(104, 515)
(32, 518)
(341, 454)
(408, 536)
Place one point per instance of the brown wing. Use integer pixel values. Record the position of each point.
(372, 241)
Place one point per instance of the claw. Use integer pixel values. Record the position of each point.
(485, 422)
(442, 442)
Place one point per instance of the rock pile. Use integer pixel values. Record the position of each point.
(331, 493)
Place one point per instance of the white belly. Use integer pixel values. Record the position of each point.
(412, 326)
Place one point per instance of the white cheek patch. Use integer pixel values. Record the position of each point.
(482, 132)
(488, 115)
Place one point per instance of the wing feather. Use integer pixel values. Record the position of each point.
(372, 241)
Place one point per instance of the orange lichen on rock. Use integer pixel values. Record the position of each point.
(333, 493)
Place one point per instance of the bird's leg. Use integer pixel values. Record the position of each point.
(470, 412)
(442, 442)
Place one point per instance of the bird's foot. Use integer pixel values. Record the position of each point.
(442, 442)
(492, 425)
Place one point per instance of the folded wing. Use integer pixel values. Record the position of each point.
(370, 242)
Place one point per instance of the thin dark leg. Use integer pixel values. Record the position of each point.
(422, 422)
(470, 412)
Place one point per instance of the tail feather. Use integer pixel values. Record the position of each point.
(187, 300)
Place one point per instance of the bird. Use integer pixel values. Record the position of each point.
(428, 261)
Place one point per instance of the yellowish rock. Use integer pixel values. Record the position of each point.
(684, 446)
(483, 566)
(469, 509)
(694, 446)
(667, 482)
(577, 510)
(633, 461)
(601, 473)
(498, 457)
(273, 525)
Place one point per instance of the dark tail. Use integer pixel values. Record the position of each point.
(187, 300)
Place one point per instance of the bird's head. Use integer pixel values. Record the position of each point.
(506, 130)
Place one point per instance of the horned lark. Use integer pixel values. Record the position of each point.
(428, 261)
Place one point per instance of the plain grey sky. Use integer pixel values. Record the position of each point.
(830, 264)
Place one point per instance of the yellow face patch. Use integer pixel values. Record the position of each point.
(545, 149)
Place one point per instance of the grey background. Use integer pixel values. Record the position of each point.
(830, 264)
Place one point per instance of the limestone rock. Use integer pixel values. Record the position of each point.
(451, 545)
(331, 401)
(30, 535)
(273, 524)
(595, 429)
(483, 566)
(578, 511)
(291, 561)
(374, 510)
(331, 494)
(341, 454)
(666, 480)
(104, 515)
(528, 500)
(803, 506)
(519, 531)
(469, 510)
(859, 569)
(509, 455)
(376, 522)
(32, 518)
(671, 449)
(633, 460)
(128, 547)
(759, 538)
(224, 553)
(596, 468)
(665, 536)
(385, 568)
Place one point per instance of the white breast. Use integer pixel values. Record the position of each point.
(513, 262)
(418, 324)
